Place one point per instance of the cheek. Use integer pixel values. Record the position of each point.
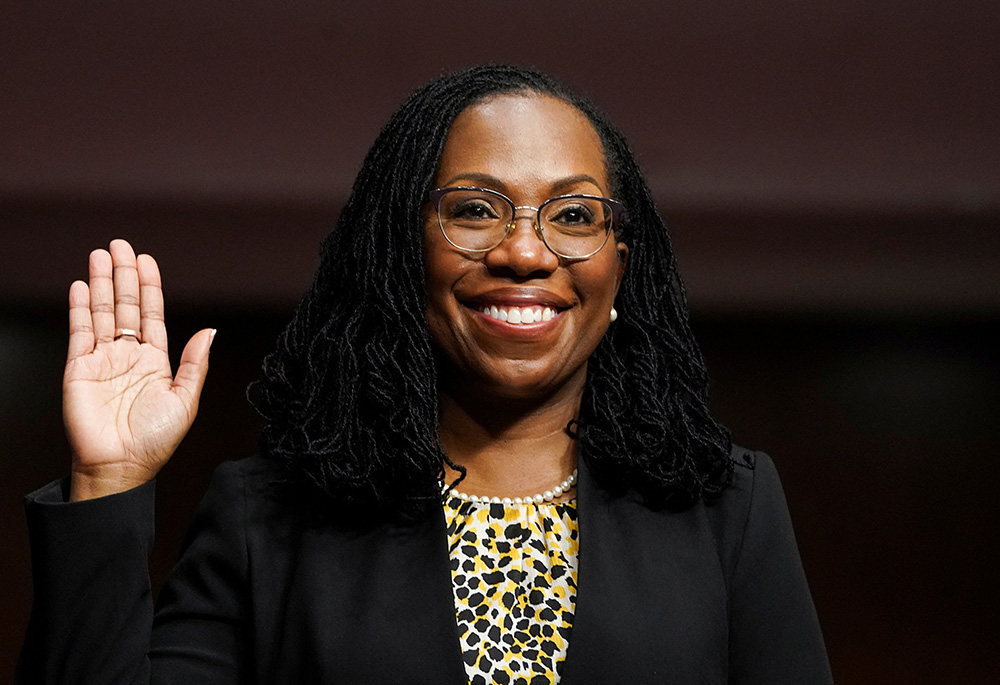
(599, 282)
(435, 264)
(443, 268)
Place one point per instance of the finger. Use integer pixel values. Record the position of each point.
(193, 368)
(154, 331)
(102, 296)
(126, 283)
(81, 324)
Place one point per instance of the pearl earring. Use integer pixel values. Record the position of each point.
(614, 315)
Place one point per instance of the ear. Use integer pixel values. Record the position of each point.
(622, 250)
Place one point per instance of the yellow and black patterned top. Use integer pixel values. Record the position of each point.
(513, 570)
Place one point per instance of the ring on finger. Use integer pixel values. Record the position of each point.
(127, 333)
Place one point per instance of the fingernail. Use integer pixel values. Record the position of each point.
(211, 337)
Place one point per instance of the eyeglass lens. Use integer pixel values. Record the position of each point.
(478, 220)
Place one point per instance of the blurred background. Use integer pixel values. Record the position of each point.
(830, 172)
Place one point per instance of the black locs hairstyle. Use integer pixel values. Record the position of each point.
(349, 394)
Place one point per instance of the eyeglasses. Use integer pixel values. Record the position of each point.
(571, 226)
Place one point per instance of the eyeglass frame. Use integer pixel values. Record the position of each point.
(617, 209)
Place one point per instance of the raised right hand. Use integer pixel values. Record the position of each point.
(125, 412)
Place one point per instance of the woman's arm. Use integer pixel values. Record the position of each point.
(125, 413)
(774, 635)
(92, 619)
(92, 610)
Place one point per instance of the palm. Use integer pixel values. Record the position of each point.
(124, 410)
(120, 407)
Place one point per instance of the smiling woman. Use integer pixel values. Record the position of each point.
(534, 149)
(463, 331)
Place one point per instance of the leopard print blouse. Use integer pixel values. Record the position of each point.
(513, 570)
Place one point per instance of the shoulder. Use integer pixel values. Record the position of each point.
(752, 505)
(246, 493)
(249, 477)
(252, 468)
(720, 518)
(754, 476)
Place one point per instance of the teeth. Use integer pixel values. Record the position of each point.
(519, 315)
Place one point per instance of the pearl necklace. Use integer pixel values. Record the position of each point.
(539, 498)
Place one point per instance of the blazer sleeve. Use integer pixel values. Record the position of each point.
(92, 619)
(774, 632)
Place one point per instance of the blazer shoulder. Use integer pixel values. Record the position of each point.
(253, 474)
(755, 488)
(252, 490)
(754, 473)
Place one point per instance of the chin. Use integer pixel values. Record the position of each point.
(518, 381)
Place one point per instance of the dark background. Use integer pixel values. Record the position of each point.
(830, 171)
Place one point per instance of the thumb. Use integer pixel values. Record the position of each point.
(194, 367)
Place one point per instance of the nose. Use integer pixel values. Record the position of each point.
(523, 250)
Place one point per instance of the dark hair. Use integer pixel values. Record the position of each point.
(349, 394)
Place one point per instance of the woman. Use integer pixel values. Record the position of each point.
(497, 318)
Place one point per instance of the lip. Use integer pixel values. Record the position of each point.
(517, 297)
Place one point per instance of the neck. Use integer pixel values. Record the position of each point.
(509, 447)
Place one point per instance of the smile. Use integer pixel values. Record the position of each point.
(519, 315)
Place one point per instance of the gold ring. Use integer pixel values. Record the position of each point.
(127, 332)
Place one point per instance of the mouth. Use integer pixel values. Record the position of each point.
(519, 307)
(519, 316)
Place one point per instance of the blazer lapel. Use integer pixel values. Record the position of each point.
(389, 589)
(651, 600)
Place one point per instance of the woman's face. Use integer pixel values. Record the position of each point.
(530, 148)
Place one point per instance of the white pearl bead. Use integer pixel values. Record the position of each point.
(538, 498)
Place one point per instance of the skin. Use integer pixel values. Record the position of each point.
(125, 411)
(508, 391)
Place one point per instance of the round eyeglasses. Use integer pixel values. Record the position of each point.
(479, 219)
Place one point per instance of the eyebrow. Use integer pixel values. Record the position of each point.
(570, 181)
(494, 183)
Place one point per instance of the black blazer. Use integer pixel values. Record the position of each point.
(713, 594)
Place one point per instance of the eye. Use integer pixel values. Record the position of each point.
(574, 215)
(474, 209)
